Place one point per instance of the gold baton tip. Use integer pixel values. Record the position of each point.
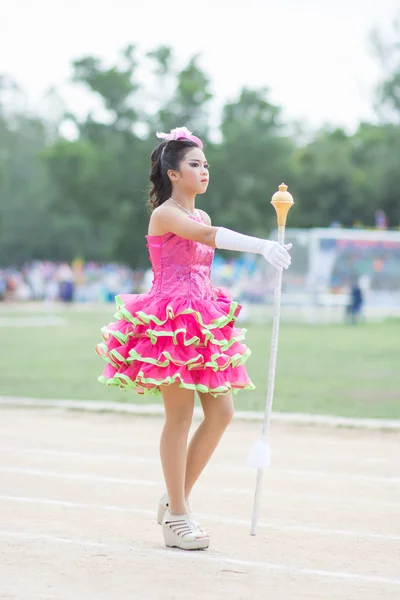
(282, 201)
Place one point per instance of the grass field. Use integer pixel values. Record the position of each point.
(322, 369)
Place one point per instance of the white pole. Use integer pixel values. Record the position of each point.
(260, 456)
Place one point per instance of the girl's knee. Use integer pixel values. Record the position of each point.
(221, 414)
(179, 420)
(227, 414)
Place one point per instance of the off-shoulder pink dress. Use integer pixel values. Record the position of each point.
(182, 331)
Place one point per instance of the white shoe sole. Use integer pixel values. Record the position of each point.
(172, 540)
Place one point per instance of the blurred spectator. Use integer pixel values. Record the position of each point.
(66, 279)
(356, 301)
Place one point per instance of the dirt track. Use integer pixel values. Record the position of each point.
(79, 492)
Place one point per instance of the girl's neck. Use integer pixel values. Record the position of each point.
(185, 200)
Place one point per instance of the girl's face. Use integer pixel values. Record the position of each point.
(193, 175)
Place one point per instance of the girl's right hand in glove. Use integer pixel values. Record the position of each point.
(277, 255)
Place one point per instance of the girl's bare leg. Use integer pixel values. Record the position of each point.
(178, 405)
(218, 413)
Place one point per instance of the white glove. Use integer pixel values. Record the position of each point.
(276, 254)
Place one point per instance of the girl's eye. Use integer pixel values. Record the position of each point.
(195, 164)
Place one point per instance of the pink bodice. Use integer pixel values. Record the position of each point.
(181, 267)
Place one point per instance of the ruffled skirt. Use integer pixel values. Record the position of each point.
(161, 340)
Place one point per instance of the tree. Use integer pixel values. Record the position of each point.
(101, 176)
(114, 85)
(253, 158)
(24, 188)
(323, 181)
(388, 90)
(188, 102)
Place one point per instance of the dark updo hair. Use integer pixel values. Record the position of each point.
(166, 156)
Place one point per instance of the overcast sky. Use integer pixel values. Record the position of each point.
(314, 55)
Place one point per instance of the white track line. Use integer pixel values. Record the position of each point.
(221, 490)
(225, 467)
(158, 410)
(206, 556)
(217, 518)
(299, 455)
(138, 447)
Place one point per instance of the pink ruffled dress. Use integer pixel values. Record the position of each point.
(182, 331)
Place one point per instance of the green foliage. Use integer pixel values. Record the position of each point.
(60, 198)
(388, 90)
(115, 85)
(253, 158)
(188, 101)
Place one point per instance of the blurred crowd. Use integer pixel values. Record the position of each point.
(94, 282)
(75, 282)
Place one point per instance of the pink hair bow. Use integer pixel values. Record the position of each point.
(180, 133)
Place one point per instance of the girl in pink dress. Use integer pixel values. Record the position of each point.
(180, 337)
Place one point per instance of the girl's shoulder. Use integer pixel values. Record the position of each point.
(163, 218)
(168, 219)
(158, 223)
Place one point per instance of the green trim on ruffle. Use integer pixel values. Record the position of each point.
(153, 335)
(193, 341)
(133, 355)
(106, 355)
(193, 363)
(155, 391)
(236, 360)
(119, 336)
(144, 318)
